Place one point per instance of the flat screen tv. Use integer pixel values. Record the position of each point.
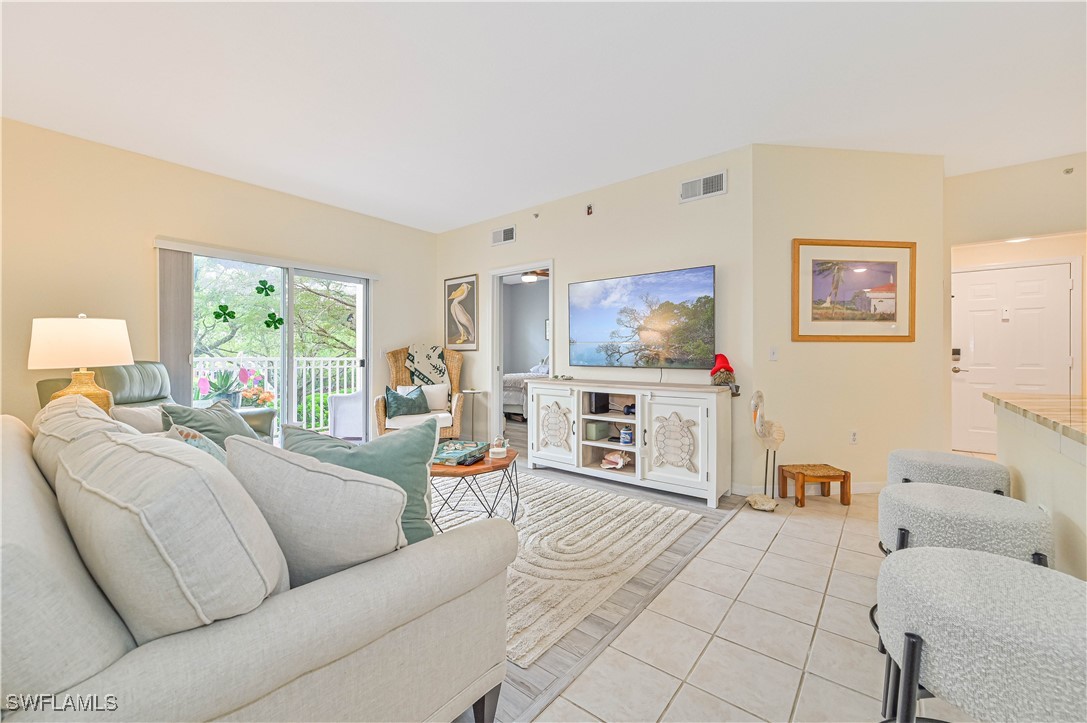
(658, 320)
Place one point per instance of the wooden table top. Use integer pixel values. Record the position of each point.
(483, 466)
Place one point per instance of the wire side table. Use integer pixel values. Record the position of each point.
(467, 477)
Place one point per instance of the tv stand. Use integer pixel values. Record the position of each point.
(682, 433)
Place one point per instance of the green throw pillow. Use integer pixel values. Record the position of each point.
(216, 422)
(398, 405)
(402, 457)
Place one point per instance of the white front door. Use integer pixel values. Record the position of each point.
(1012, 328)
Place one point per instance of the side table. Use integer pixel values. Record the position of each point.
(467, 477)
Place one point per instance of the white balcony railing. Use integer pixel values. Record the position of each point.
(314, 379)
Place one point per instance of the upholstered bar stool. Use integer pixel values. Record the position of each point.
(1002, 639)
(947, 468)
(935, 515)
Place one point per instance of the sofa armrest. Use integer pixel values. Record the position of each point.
(261, 419)
(210, 671)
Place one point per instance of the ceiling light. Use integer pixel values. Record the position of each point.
(529, 277)
(857, 271)
(1018, 240)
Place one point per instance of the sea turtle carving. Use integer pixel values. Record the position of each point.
(555, 426)
(674, 443)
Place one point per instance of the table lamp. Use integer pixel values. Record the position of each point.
(80, 342)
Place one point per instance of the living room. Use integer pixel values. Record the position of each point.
(828, 123)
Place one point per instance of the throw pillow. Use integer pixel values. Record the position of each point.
(62, 422)
(194, 439)
(169, 534)
(146, 420)
(326, 517)
(437, 396)
(216, 422)
(397, 405)
(402, 457)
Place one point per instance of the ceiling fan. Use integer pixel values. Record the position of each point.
(531, 277)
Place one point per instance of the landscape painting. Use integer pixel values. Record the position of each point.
(656, 320)
(853, 290)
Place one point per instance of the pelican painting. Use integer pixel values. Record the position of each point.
(460, 318)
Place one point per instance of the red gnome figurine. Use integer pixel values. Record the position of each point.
(722, 373)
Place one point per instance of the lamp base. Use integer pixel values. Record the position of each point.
(83, 384)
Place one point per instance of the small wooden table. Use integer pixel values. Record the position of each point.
(468, 477)
(803, 474)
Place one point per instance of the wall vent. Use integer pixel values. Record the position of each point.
(503, 235)
(715, 185)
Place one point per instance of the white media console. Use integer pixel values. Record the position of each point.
(682, 433)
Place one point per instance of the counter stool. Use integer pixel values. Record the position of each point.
(936, 515)
(804, 474)
(947, 468)
(1002, 639)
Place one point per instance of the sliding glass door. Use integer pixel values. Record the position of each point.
(268, 336)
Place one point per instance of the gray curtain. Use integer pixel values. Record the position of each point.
(175, 321)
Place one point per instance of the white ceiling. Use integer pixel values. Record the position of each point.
(437, 116)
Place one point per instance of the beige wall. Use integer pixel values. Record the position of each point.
(1032, 199)
(637, 226)
(1068, 245)
(79, 220)
(893, 394)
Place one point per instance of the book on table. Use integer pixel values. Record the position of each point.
(452, 454)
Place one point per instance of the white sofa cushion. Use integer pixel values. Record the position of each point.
(146, 420)
(62, 422)
(167, 532)
(326, 518)
(445, 419)
(437, 395)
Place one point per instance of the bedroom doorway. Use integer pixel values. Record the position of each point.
(522, 301)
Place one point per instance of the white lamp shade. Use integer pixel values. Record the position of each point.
(83, 342)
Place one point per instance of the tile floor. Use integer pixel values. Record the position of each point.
(769, 622)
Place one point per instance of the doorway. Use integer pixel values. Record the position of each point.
(1015, 327)
(522, 303)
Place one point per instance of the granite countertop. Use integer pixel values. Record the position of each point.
(1064, 414)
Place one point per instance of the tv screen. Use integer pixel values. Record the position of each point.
(664, 319)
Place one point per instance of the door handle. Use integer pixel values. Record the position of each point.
(957, 370)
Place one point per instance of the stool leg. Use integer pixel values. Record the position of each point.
(783, 483)
(825, 488)
(891, 675)
(911, 678)
(799, 480)
(1040, 558)
(846, 490)
(903, 539)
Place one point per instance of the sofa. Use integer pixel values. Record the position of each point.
(417, 634)
(147, 384)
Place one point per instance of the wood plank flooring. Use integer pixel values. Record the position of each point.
(527, 691)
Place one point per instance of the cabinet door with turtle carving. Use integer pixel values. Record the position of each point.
(674, 440)
(554, 426)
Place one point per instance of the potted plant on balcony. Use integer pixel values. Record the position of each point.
(222, 384)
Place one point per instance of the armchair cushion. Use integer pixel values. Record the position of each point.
(216, 422)
(326, 518)
(437, 396)
(403, 458)
(444, 419)
(398, 404)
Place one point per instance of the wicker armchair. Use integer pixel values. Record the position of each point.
(401, 377)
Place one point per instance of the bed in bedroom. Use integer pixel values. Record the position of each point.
(515, 390)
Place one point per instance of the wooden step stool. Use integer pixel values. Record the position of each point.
(803, 474)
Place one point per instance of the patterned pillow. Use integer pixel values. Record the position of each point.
(195, 439)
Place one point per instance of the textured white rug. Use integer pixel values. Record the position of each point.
(578, 546)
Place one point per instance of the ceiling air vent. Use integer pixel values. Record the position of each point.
(714, 185)
(503, 236)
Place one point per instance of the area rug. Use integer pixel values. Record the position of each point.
(577, 547)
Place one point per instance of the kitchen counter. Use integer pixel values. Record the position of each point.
(1064, 414)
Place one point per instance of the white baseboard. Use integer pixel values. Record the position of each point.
(859, 488)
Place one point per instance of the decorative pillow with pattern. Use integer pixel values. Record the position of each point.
(195, 439)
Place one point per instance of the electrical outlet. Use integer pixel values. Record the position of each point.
(853, 437)
(773, 353)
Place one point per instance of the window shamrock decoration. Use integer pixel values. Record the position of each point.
(264, 288)
(273, 321)
(225, 314)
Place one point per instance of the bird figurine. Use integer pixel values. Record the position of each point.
(723, 374)
(465, 325)
(771, 435)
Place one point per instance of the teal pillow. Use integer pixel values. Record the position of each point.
(402, 457)
(398, 405)
(216, 422)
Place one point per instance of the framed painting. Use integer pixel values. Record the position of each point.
(854, 290)
(461, 313)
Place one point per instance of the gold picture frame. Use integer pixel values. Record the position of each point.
(461, 313)
(854, 290)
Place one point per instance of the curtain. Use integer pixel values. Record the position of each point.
(175, 321)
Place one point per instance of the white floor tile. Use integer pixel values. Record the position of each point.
(691, 605)
(860, 543)
(731, 554)
(855, 665)
(618, 687)
(768, 633)
(662, 642)
(782, 598)
(858, 563)
(563, 711)
(806, 550)
(795, 572)
(692, 705)
(855, 588)
(822, 701)
(848, 619)
(750, 680)
(712, 576)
